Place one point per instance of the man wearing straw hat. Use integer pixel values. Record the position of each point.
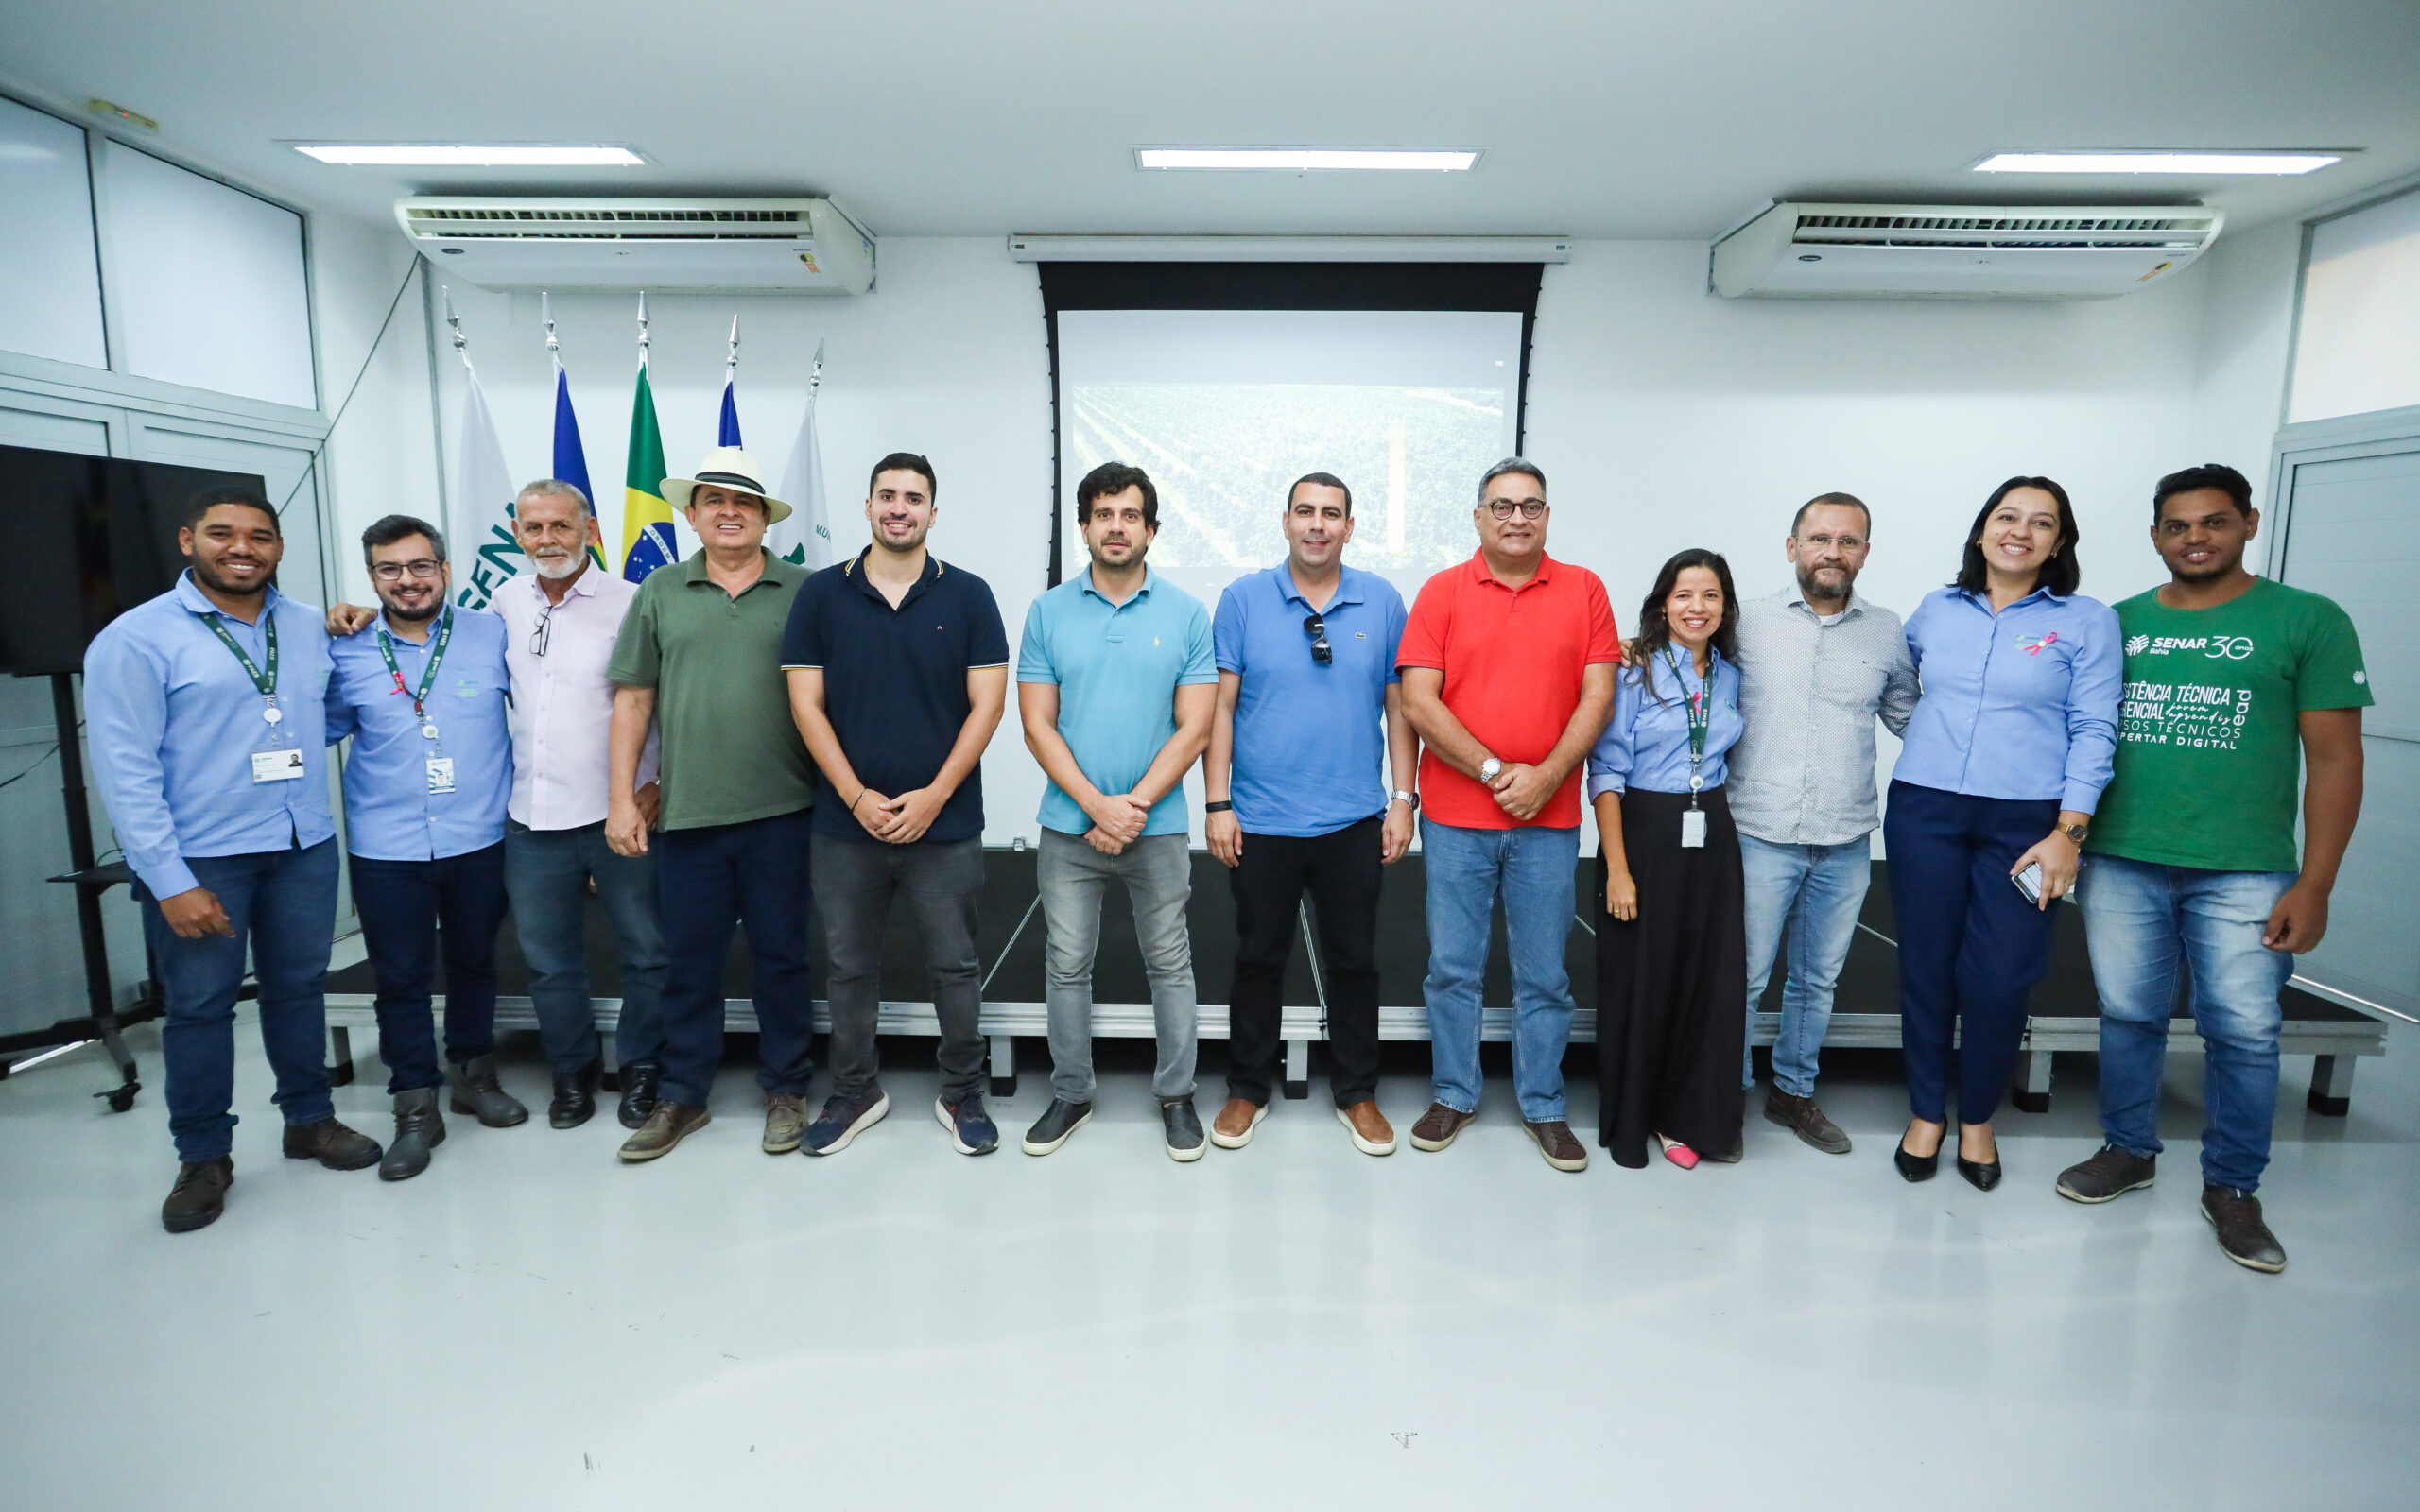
(699, 653)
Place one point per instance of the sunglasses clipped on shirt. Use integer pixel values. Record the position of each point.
(1321, 652)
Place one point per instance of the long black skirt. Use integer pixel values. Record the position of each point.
(1672, 985)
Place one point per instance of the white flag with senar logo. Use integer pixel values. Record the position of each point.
(485, 555)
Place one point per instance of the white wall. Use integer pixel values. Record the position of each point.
(2358, 348)
(1663, 416)
(382, 456)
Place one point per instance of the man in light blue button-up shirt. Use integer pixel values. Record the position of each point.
(203, 706)
(421, 693)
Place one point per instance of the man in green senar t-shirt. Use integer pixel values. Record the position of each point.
(2234, 685)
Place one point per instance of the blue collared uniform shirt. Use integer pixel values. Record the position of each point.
(1646, 745)
(1118, 667)
(389, 813)
(174, 721)
(1310, 740)
(2022, 704)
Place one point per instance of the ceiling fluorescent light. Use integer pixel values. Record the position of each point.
(2185, 163)
(462, 155)
(1308, 160)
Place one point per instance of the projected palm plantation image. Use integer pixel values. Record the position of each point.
(1223, 455)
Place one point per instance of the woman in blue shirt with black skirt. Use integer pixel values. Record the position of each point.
(2005, 760)
(1671, 940)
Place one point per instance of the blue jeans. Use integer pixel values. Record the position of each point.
(1817, 890)
(283, 904)
(1530, 868)
(410, 910)
(546, 874)
(715, 877)
(2147, 920)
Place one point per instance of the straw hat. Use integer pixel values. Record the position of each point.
(727, 466)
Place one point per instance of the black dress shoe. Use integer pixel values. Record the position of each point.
(1915, 1167)
(639, 1092)
(574, 1100)
(1982, 1175)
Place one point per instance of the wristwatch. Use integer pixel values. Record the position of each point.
(1488, 768)
(2075, 832)
(1410, 800)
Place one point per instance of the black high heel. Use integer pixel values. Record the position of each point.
(1917, 1167)
(1982, 1175)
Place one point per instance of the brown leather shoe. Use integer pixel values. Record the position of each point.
(668, 1125)
(1561, 1147)
(1231, 1129)
(332, 1145)
(199, 1196)
(1438, 1127)
(1372, 1133)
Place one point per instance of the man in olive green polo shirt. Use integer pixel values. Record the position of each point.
(699, 653)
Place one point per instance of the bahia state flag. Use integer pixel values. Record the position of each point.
(646, 519)
(571, 459)
(485, 495)
(805, 537)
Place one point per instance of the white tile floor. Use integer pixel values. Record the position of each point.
(531, 1326)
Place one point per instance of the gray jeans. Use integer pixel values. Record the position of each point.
(856, 880)
(1158, 873)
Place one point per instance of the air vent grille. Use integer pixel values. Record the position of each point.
(2135, 230)
(639, 222)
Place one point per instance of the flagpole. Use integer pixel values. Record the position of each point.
(461, 343)
(546, 313)
(642, 328)
(731, 364)
(815, 376)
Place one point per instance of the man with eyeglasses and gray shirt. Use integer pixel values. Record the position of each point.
(1817, 665)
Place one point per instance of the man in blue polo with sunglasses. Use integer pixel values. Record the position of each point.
(1309, 720)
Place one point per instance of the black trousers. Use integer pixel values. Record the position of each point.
(1340, 868)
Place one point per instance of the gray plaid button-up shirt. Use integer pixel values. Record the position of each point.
(1803, 774)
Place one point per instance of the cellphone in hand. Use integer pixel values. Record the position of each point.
(2028, 882)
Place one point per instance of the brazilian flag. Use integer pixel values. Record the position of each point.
(647, 518)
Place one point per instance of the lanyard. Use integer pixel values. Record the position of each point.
(1700, 716)
(428, 673)
(264, 682)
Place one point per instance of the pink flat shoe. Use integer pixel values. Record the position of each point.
(1679, 1154)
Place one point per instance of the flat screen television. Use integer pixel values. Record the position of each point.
(82, 540)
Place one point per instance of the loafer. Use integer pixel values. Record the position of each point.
(641, 1082)
(1181, 1129)
(574, 1099)
(2108, 1176)
(1803, 1118)
(2243, 1235)
(668, 1125)
(784, 1116)
(1440, 1126)
(477, 1093)
(1561, 1147)
(1372, 1133)
(1231, 1129)
(1056, 1126)
(420, 1129)
(332, 1145)
(199, 1196)
(971, 1129)
(842, 1119)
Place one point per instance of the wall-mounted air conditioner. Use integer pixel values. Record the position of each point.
(731, 246)
(1958, 252)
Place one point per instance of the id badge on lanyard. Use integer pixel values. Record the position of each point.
(1700, 716)
(438, 766)
(276, 757)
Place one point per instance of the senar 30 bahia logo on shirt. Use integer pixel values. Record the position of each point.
(2231, 647)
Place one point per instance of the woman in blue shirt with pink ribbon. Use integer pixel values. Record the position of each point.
(2004, 762)
(1671, 932)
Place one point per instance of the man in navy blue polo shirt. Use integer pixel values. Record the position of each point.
(898, 668)
(1308, 706)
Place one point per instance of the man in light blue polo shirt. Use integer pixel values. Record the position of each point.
(1309, 714)
(421, 693)
(1115, 686)
(208, 747)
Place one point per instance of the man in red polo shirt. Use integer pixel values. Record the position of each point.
(1508, 666)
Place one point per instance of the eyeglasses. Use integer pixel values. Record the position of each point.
(1502, 508)
(1845, 543)
(544, 632)
(1321, 652)
(393, 572)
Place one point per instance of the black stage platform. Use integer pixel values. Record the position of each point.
(2065, 1009)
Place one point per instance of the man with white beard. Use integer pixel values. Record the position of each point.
(564, 620)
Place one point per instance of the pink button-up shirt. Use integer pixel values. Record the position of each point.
(562, 705)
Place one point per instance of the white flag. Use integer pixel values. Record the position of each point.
(484, 553)
(805, 537)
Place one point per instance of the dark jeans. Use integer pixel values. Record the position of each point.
(1342, 870)
(715, 877)
(283, 904)
(408, 909)
(1970, 946)
(547, 873)
(856, 880)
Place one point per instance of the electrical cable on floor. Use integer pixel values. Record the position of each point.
(378, 341)
(30, 767)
